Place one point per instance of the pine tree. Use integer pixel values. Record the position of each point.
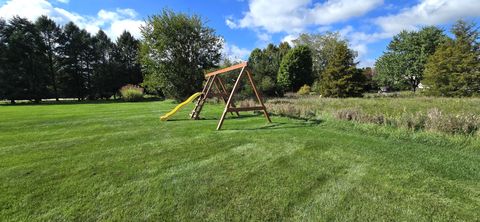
(454, 69)
(72, 79)
(127, 57)
(88, 58)
(25, 73)
(104, 75)
(3, 59)
(341, 78)
(50, 33)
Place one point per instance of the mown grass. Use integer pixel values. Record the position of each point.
(117, 161)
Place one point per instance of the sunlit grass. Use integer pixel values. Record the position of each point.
(117, 161)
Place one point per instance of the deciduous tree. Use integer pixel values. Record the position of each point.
(176, 49)
(404, 62)
(265, 65)
(296, 69)
(322, 47)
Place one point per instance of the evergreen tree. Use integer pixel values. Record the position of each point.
(454, 69)
(25, 74)
(3, 59)
(72, 79)
(50, 33)
(296, 69)
(341, 78)
(88, 57)
(105, 83)
(127, 56)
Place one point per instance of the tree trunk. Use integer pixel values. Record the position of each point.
(12, 101)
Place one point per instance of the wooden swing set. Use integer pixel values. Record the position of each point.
(214, 80)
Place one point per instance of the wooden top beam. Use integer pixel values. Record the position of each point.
(231, 68)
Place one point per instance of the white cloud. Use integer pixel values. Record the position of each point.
(293, 16)
(130, 25)
(30, 9)
(340, 10)
(108, 15)
(127, 12)
(289, 39)
(230, 23)
(113, 22)
(235, 53)
(428, 12)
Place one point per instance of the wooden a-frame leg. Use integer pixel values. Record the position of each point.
(224, 92)
(230, 98)
(221, 93)
(259, 98)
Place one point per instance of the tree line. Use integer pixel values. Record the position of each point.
(177, 49)
(443, 65)
(42, 60)
(323, 61)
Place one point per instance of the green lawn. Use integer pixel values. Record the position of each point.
(117, 161)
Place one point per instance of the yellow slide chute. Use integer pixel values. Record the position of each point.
(181, 105)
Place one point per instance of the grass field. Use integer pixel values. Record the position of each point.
(117, 161)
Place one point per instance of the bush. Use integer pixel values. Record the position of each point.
(132, 93)
(305, 90)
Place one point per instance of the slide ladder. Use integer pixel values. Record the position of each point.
(180, 106)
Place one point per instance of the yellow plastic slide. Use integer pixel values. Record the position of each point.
(189, 100)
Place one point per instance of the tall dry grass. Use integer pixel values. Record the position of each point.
(452, 116)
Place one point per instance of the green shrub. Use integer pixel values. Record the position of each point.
(305, 90)
(132, 93)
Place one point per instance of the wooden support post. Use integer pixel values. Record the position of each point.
(206, 91)
(220, 93)
(259, 98)
(224, 91)
(230, 98)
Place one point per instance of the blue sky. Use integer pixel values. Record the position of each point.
(247, 24)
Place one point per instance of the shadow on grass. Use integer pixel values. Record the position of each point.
(278, 126)
(228, 117)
